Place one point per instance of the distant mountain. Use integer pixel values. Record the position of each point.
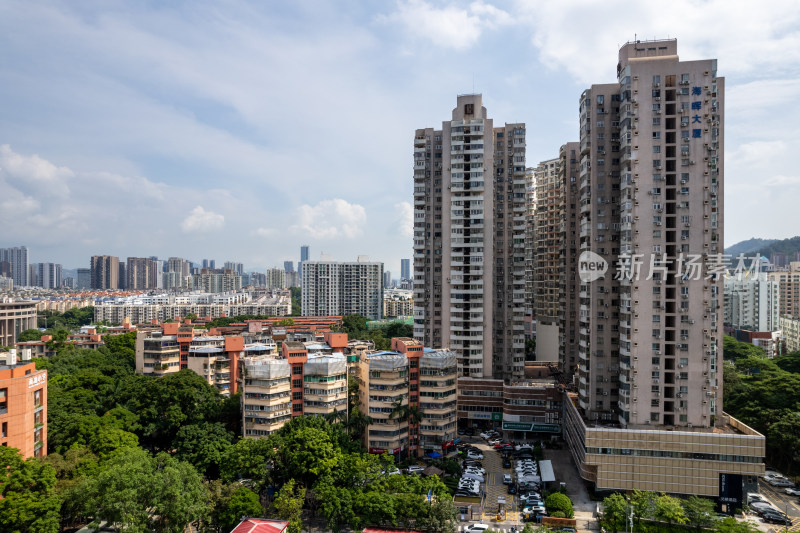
(766, 247)
(749, 246)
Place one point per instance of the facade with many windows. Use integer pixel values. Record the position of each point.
(469, 240)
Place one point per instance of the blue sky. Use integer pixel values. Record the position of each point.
(240, 130)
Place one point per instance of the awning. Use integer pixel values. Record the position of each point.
(546, 471)
(434, 455)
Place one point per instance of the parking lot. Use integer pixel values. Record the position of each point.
(784, 502)
(494, 489)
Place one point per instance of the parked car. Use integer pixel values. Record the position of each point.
(773, 517)
(506, 479)
(474, 455)
(512, 489)
(780, 482)
(476, 528)
(506, 463)
(415, 469)
(792, 491)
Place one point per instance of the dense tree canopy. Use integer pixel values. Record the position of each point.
(765, 394)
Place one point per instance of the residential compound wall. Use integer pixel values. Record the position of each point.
(469, 240)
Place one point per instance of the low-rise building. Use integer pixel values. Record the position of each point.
(23, 406)
(681, 460)
(790, 333)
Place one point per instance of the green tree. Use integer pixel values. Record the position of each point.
(140, 493)
(29, 501)
(29, 335)
(644, 504)
(559, 503)
(191, 317)
(243, 502)
(289, 505)
(669, 509)
(731, 525)
(306, 454)
(442, 516)
(699, 511)
(615, 508)
(203, 445)
(248, 459)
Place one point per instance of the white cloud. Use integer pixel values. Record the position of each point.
(265, 232)
(572, 34)
(331, 219)
(449, 26)
(33, 174)
(405, 218)
(201, 220)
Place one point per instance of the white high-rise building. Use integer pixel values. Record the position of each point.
(752, 303)
(331, 288)
(469, 233)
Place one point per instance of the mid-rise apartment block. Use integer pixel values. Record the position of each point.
(105, 272)
(469, 240)
(650, 294)
(277, 278)
(23, 407)
(789, 289)
(342, 288)
(409, 376)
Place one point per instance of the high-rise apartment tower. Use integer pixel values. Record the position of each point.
(469, 232)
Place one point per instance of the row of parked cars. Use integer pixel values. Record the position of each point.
(472, 474)
(766, 510)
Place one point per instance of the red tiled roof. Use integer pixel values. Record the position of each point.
(260, 525)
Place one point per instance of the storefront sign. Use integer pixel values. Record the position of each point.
(539, 428)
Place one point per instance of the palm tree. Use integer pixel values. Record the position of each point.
(399, 411)
(358, 424)
(414, 414)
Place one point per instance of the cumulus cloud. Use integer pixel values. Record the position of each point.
(32, 173)
(405, 218)
(201, 220)
(265, 232)
(450, 26)
(568, 35)
(331, 219)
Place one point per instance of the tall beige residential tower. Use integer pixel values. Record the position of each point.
(650, 328)
(555, 256)
(469, 240)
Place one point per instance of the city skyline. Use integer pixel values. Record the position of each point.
(162, 152)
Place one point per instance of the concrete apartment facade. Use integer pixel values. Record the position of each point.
(342, 288)
(752, 302)
(409, 375)
(15, 317)
(142, 273)
(469, 240)
(17, 258)
(105, 272)
(23, 407)
(651, 188)
(789, 289)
